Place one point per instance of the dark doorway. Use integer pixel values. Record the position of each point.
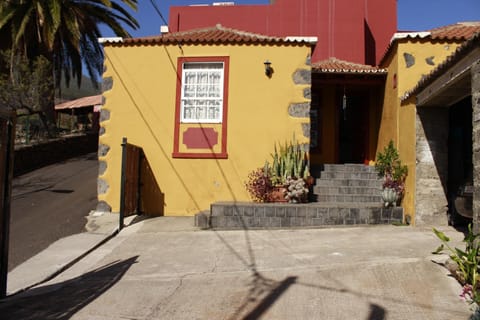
(460, 167)
(353, 127)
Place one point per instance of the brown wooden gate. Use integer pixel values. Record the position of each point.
(130, 182)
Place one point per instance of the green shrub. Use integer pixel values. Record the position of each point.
(389, 166)
(388, 163)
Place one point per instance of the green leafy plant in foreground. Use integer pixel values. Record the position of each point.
(467, 262)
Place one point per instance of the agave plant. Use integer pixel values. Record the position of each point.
(288, 160)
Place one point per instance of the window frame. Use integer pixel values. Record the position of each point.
(224, 110)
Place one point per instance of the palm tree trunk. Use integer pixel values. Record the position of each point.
(48, 111)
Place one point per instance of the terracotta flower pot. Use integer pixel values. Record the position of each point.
(278, 194)
(309, 181)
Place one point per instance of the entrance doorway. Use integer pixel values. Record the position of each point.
(353, 127)
(460, 166)
(345, 132)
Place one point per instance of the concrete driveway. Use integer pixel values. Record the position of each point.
(164, 269)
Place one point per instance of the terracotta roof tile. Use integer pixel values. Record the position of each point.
(459, 53)
(334, 65)
(81, 102)
(217, 34)
(459, 32)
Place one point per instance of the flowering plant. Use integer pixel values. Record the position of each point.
(259, 185)
(296, 190)
(397, 185)
(285, 175)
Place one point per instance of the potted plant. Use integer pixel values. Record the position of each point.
(286, 176)
(389, 166)
(297, 190)
(259, 185)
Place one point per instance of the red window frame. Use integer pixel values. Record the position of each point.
(176, 147)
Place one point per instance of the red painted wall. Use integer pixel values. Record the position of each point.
(381, 16)
(352, 30)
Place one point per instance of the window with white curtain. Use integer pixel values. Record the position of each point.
(202, 92)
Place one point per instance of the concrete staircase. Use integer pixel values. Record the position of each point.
(346, 194)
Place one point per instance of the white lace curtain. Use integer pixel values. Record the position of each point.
(202, 92)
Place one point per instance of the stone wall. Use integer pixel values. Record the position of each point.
(431, 203)
(475, 71)
(247, 215)
(303, 78)
(103, 149)
(28, 158)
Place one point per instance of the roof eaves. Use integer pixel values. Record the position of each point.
(81, 102)
(298, 39)
(402, 36)
(105, 40)
(410, 35)
(380, 71)
(437, 34)
(216, 35)
(337, 66)
(449, 61)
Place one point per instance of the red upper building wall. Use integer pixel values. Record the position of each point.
(353, 30)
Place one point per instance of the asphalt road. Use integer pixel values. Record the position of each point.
(51, 203)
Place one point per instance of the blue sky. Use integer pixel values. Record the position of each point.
(428, 14)
(413, 15)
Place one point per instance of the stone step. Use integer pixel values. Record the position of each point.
(246, 215)
(348, 168)
(347, 190)
(349, 183)
(327, 175)
(349, 198)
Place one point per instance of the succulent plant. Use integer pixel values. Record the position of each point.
(288, 169)
(288, 160)
(296, 190)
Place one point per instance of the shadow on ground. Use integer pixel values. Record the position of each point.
(264, 292)
(61, 301)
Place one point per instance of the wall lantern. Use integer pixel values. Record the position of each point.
(268, 68)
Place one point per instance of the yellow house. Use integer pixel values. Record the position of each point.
(202, 108)
(428, 138)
